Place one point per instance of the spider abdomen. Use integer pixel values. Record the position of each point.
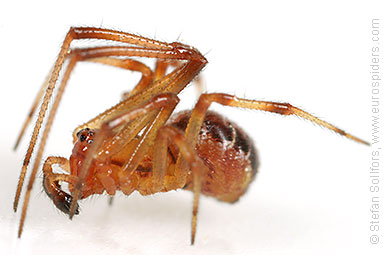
(228, 152)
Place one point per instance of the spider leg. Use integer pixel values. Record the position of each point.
(35, 103)
(40, 149)
(281, 108)
(169, 134)
(205, 100)
(44, 106)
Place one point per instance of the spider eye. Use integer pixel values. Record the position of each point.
(83, 134)
(82, 137)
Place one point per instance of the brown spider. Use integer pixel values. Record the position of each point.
(135, 145)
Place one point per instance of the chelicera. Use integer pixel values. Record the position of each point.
(139, 144)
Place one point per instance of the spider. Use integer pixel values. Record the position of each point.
(138, 145)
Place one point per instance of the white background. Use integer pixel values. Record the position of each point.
(311, 195)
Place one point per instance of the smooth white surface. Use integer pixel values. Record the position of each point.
(311, 194)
